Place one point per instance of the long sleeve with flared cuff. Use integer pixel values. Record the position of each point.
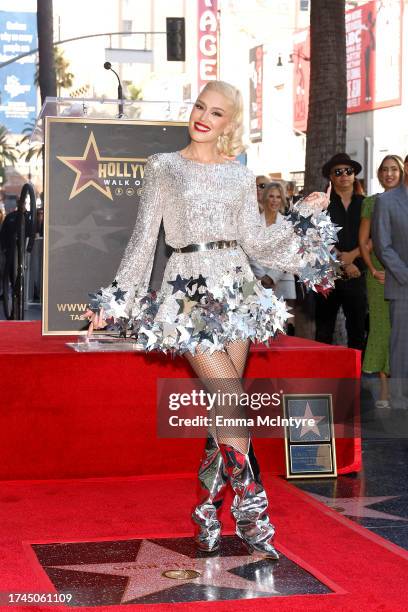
(302, 244)
(135, 268)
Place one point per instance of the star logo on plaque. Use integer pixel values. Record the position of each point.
(94, 170)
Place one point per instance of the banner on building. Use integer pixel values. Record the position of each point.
(18, 34)
(208, 41)
(374, 34)
(255, 93)
(93, 176)
(374, 56)
(301, 78)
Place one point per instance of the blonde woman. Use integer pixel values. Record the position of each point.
(273, 204)
(209, 307)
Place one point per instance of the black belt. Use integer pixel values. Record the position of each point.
(207, 246)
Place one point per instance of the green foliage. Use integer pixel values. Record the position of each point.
(134, 92)
(8, 152)
(65, 78)
(35, 150)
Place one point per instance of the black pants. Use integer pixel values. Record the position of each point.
(352, 296)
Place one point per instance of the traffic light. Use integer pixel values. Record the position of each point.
(176, 39)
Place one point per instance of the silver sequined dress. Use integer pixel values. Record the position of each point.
(201, 203)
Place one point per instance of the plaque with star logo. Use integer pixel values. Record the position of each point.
(309, 436)
(94, 172)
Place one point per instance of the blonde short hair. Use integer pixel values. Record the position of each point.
(230, 144)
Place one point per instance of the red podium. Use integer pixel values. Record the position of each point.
(71, 415)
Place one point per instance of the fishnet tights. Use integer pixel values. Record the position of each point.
(221, 373)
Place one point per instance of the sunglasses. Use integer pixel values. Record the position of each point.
(261, 186)
(342, 171)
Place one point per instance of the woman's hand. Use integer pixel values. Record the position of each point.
(346, 258)
(351, 271)
(96, 320)
(379, 276)
(318, 200)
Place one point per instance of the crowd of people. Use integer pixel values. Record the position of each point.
(370, 297)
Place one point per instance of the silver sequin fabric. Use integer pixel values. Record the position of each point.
(210, 298)
(201, 202)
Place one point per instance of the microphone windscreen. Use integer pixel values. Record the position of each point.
(107, 65)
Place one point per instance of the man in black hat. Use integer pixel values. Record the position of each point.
(350, 292)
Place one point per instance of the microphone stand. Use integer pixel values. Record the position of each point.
(108, 66)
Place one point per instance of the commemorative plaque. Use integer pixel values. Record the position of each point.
(309, 437)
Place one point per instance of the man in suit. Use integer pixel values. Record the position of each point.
(390, 241)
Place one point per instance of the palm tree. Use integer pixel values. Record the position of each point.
(34, 150)
(8, 153)
(326, 126)
(63, 76)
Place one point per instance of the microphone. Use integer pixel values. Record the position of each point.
(108, 66)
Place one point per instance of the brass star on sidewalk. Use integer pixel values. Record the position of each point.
(359, 506)
(146, 574)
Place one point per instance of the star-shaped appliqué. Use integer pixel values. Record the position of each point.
(305, 223)
(186, 306)
(179, 284)
(119, 294)
(200, 282)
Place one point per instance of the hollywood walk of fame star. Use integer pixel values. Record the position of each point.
(85, 232)
(145, 574)
(357, 506)
(86, 168)
(308, 414)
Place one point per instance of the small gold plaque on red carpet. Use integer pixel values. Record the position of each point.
(309, 436)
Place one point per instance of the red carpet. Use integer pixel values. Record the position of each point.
(365, 572)
(73, 415)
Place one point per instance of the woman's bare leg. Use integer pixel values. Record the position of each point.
(384, 393)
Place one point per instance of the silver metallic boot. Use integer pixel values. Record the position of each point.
(213, 479)
(250, 503)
